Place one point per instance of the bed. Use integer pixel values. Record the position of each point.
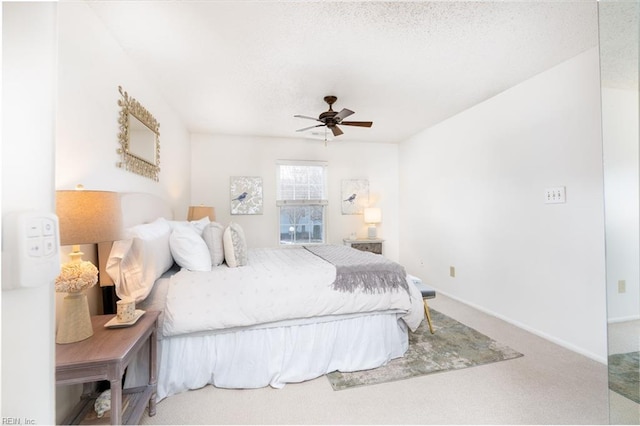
(264, 316)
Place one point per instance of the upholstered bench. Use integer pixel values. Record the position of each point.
(427, 293)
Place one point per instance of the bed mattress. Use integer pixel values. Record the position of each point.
(276, 285)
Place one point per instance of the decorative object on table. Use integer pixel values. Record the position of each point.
(103, 403)
(199, 212)
(126, 310)
(116, 323)
(372, 216)
(354, 195)
(85, 217)
(246, 195)
(453, 346)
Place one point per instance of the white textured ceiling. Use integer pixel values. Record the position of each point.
(247, 67)
(619, 43)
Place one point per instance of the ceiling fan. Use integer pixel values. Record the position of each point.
(331, 118)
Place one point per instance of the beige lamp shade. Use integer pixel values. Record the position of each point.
(372, 215)
(88, 217)
(198, 212)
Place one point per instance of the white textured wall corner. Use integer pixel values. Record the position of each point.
(472, 197)
(28, 134)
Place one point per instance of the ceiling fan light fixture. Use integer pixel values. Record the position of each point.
(331, 118)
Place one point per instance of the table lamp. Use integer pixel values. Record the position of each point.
(372, 215)
(85, 217)
(198, 212)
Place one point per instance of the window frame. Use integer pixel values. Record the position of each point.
(306, 202)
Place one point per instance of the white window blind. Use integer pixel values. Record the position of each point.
(301, 198)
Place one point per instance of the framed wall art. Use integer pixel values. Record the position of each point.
(245, 195)
(354, 195)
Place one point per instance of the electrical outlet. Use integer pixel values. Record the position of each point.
(555, 195)
(622, 286)
(452, 271)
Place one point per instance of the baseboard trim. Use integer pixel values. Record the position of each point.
(531, 330)
(623, 319)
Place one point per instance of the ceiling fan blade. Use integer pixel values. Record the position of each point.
(336, 130)
(310, 127)
(357, 123)
(343, 114)
(307, 117)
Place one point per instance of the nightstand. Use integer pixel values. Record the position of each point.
(105, 356)
(364, 244)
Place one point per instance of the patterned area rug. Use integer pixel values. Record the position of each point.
(453, 346)
(624, 377)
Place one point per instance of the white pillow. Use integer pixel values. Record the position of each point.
(198, 225)
(235, 246)
(157, 227)
(212, 236)
(189, 249)
(136, 262)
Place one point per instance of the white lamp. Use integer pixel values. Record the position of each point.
(372, 215)
(85, 217)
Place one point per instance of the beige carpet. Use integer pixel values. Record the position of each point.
(548, 385)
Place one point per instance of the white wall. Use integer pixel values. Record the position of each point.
(91, 67)
(215, 158)
(472, 197)
(28, 127)
(621, 179)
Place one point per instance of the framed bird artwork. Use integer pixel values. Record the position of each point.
(245, 195)
(354, 195)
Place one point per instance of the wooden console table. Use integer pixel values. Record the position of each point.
(105, 356)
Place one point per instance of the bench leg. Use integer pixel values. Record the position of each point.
(426, 311)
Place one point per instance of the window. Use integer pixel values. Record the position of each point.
(301, 199)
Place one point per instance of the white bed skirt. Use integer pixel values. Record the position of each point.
(255, 358)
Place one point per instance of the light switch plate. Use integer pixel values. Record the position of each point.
(555, 195)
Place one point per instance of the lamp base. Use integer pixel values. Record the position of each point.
(372, 232)
(75, 324)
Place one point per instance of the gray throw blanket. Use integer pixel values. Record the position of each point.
(356, 269)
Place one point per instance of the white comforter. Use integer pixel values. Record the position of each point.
(276, 285)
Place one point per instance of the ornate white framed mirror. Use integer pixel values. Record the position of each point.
(139, 138)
